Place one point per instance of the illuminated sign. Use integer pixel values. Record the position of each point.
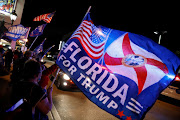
(7, 6)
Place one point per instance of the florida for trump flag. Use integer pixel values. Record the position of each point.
(121, 72)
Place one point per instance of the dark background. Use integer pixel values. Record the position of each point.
(136, 17)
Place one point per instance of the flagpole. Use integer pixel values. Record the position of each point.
(33, 42)
(56, 72)
(87, 12)
(61, 47)
(26, 40)
(48, 50)
(55, 77)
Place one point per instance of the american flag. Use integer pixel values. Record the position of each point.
(92, 38)
(45, 17)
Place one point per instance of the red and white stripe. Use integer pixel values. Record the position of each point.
(83, 34)
(43, 17)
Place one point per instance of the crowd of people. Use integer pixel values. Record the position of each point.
(29, 81)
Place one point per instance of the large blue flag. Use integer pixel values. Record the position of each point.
(16, 31)
(121, 72)
(38, 31)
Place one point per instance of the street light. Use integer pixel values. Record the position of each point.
(160, 35)
(13, 16)
(25, 40)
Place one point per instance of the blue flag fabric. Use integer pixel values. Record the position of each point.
(39, 48)
(38, 31)
(16, 31)
(25, 36)
(125, 76)
(47, 50)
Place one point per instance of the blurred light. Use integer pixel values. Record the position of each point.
(99, 32)
(65, 83)
(61, 73)
(25, 40)
(13, 15)
(20, 41)
(171, 76)
(104, 67)
(160, 32)
(89, 80)
(156, 32)
(4, 44)
(177, 78)
(66, 77)
(49, 55)
(5, 13)
(164, 32)
(9, 47)
(61, 44)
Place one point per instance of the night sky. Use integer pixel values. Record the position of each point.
(140, 18)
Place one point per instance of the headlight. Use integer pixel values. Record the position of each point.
(49, 55)
(65, 83)
(66, 77)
